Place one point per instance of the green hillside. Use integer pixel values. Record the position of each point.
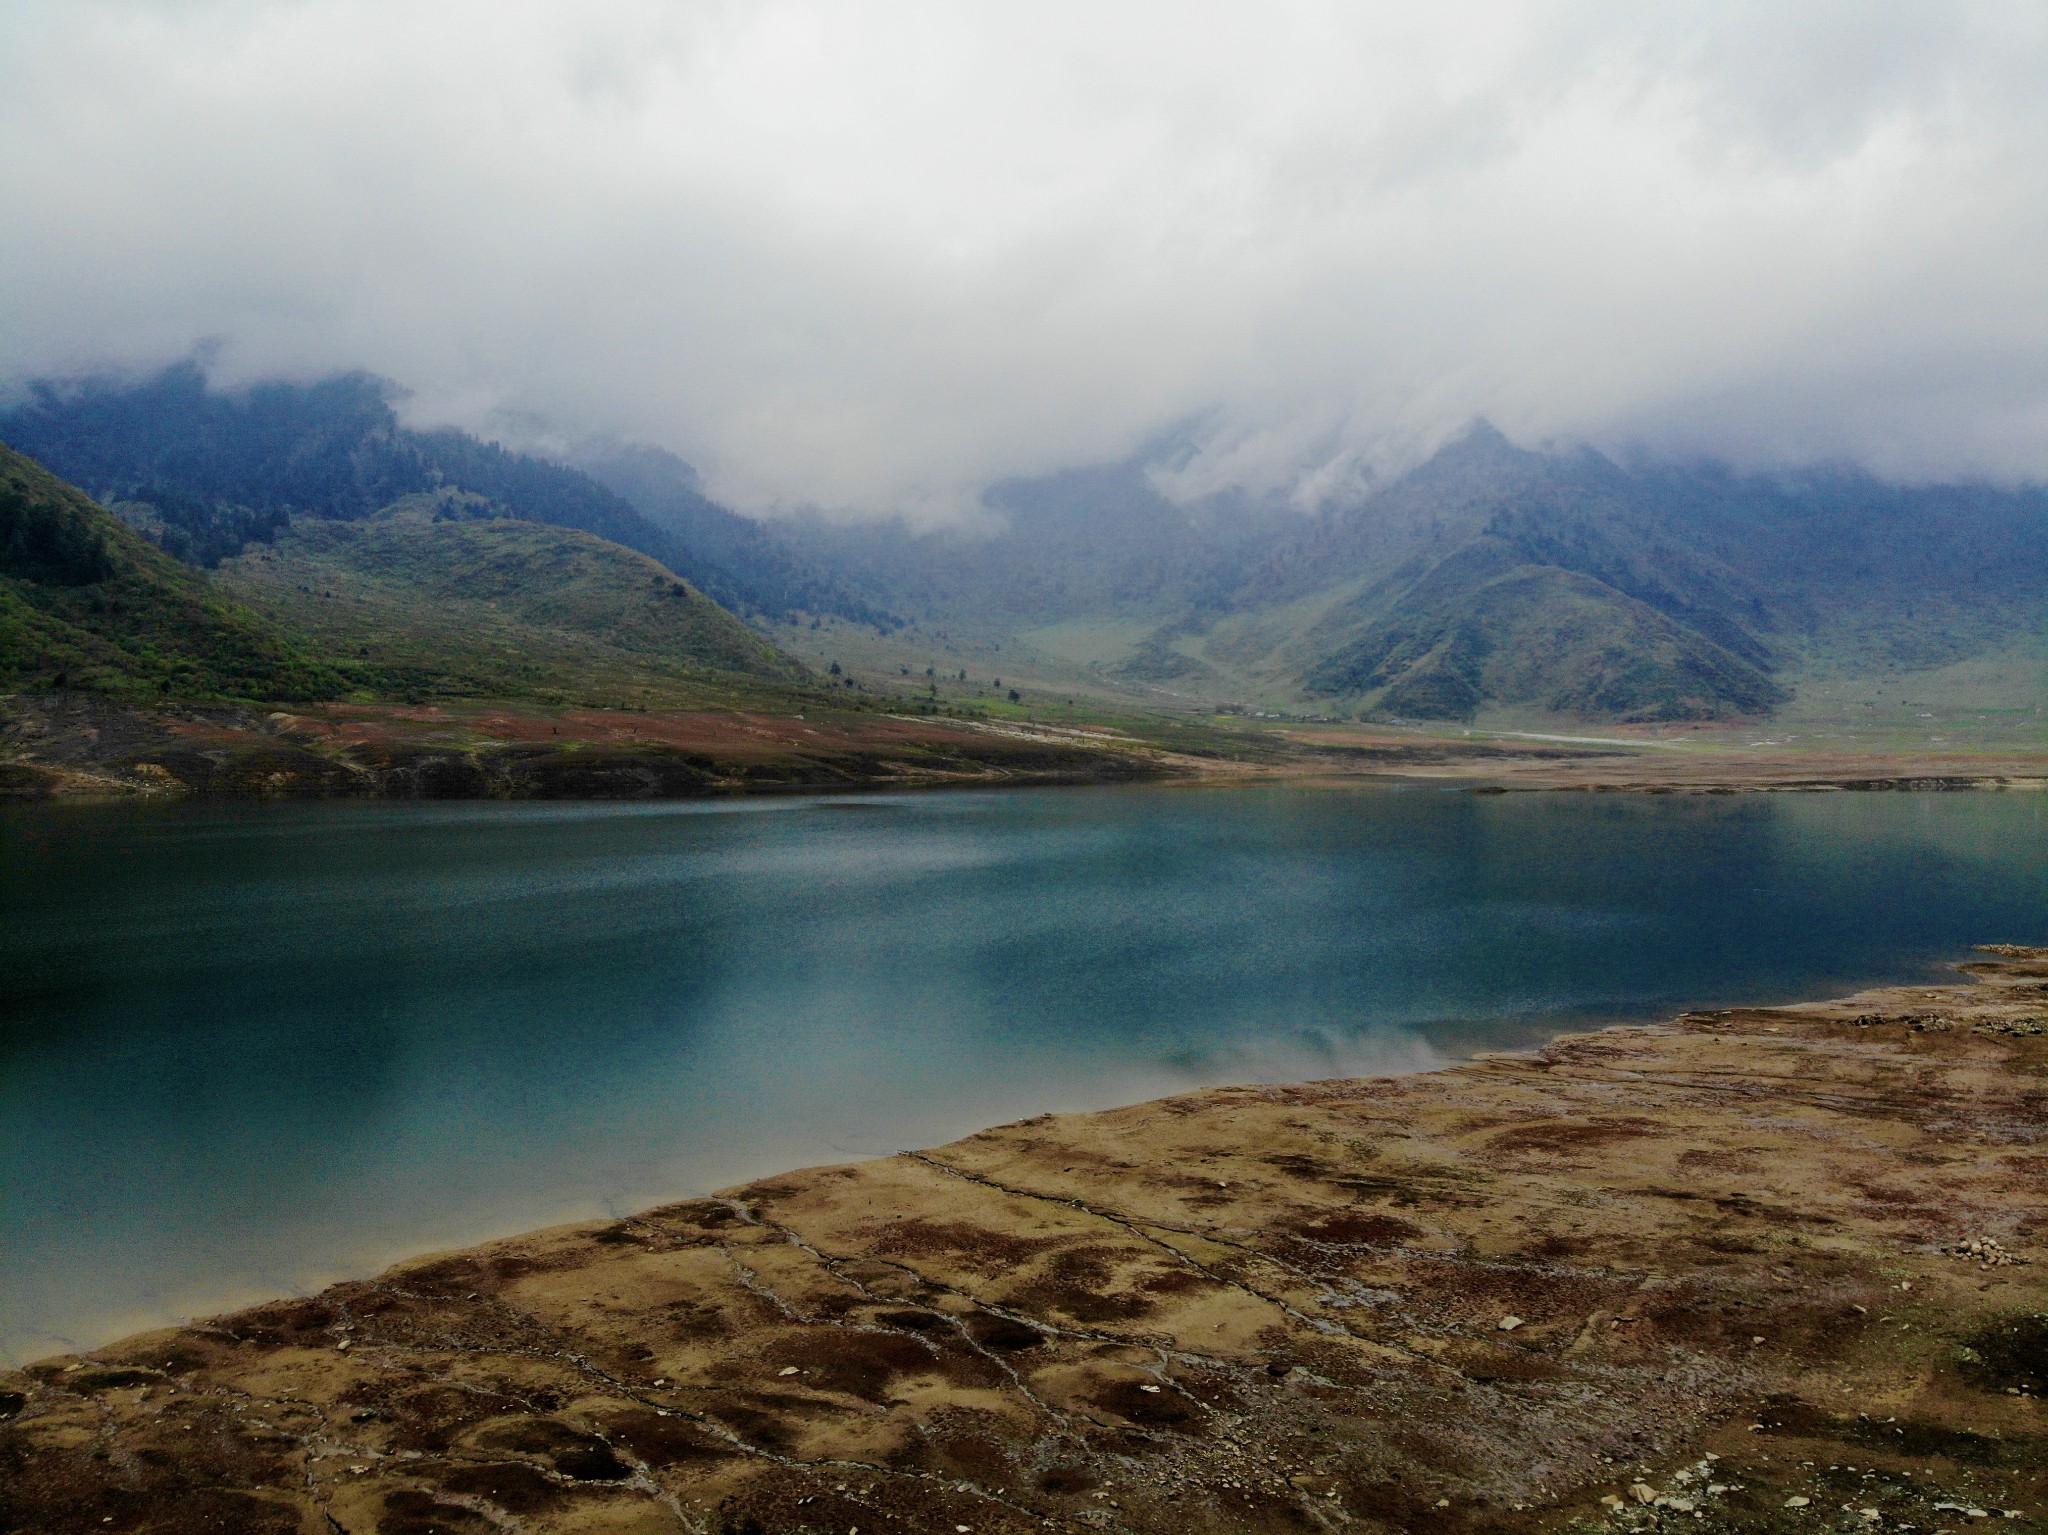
(209, 472)
(442, 596)
(1538, 635)
(1488, 580)
(87, 603)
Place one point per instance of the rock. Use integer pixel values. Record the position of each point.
(1797, 1502)
(1643, 1493)
(1508, 1323)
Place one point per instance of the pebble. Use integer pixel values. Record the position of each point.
(1508, 1323)
(1796, 1502)
(1988, 1252)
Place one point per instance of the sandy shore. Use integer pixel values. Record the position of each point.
(1761, 1269)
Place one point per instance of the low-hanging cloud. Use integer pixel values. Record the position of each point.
(870, 257)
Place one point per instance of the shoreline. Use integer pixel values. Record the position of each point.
(77, 748)
(1634, 1265)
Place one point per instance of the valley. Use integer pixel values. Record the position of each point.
(1763, 628)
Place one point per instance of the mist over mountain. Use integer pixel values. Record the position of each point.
(207, 471)
(876, 259)
(1490, 576)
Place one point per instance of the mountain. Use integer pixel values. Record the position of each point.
(1525, 579)
(1488, 624)
(741, 562)
(1569, 583)
(1488, 579)
(1490, 582)
(88, 603)
(443, 595)
(206, 473)
(1075, 543)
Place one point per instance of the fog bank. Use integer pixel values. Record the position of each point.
(870, 257)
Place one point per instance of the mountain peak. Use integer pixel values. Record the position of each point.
(1481, 449)
(1480, 442)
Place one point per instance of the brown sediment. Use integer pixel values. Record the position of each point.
(1648, 764)
(74, 745)
(1762, 1269)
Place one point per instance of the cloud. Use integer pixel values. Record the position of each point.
(871, 257)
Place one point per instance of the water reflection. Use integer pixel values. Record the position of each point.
(246, 1048)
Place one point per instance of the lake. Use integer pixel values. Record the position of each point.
(246, 1049)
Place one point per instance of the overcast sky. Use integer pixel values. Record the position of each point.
(871, 256)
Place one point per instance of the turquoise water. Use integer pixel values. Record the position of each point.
(246, 1049)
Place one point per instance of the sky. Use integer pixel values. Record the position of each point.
(869, 256)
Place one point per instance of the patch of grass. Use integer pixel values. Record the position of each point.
(2009, 1352)
(436, 597)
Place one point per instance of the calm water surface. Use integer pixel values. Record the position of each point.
(246, 1049)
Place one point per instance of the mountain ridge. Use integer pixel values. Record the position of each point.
(208, 472)
(1645, 593)
(1491, 578)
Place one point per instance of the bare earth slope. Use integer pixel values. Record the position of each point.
(1746, 1271)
